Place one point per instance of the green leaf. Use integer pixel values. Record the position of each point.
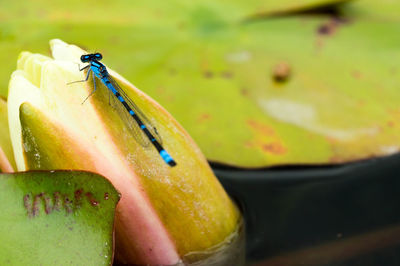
(56, 218)
(7, 163)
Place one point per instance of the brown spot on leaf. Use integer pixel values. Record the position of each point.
(28, 204)
(281, 72)
(68, 204)
(326, 29)
(78, 197)
(106, 196)
(57, 201)
(390, 124)
(33, 207)
(330, 27)
(91, 199)
(208, 74)
(36, 203)
(261, 128)
(265, 139)
(244, 92)
(227, 74)
(48, 208)
(204, 117)
(275, 148)
(356, 74)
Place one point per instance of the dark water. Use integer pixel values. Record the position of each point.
(335, 215)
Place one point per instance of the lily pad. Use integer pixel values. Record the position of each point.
(56, 218)
(7, 163)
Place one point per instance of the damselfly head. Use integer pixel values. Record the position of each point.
(90, 57)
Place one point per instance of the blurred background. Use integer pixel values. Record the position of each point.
(296, 85)
(255, 83)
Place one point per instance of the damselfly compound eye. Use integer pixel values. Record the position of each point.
(98, 56)
(85, 58)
